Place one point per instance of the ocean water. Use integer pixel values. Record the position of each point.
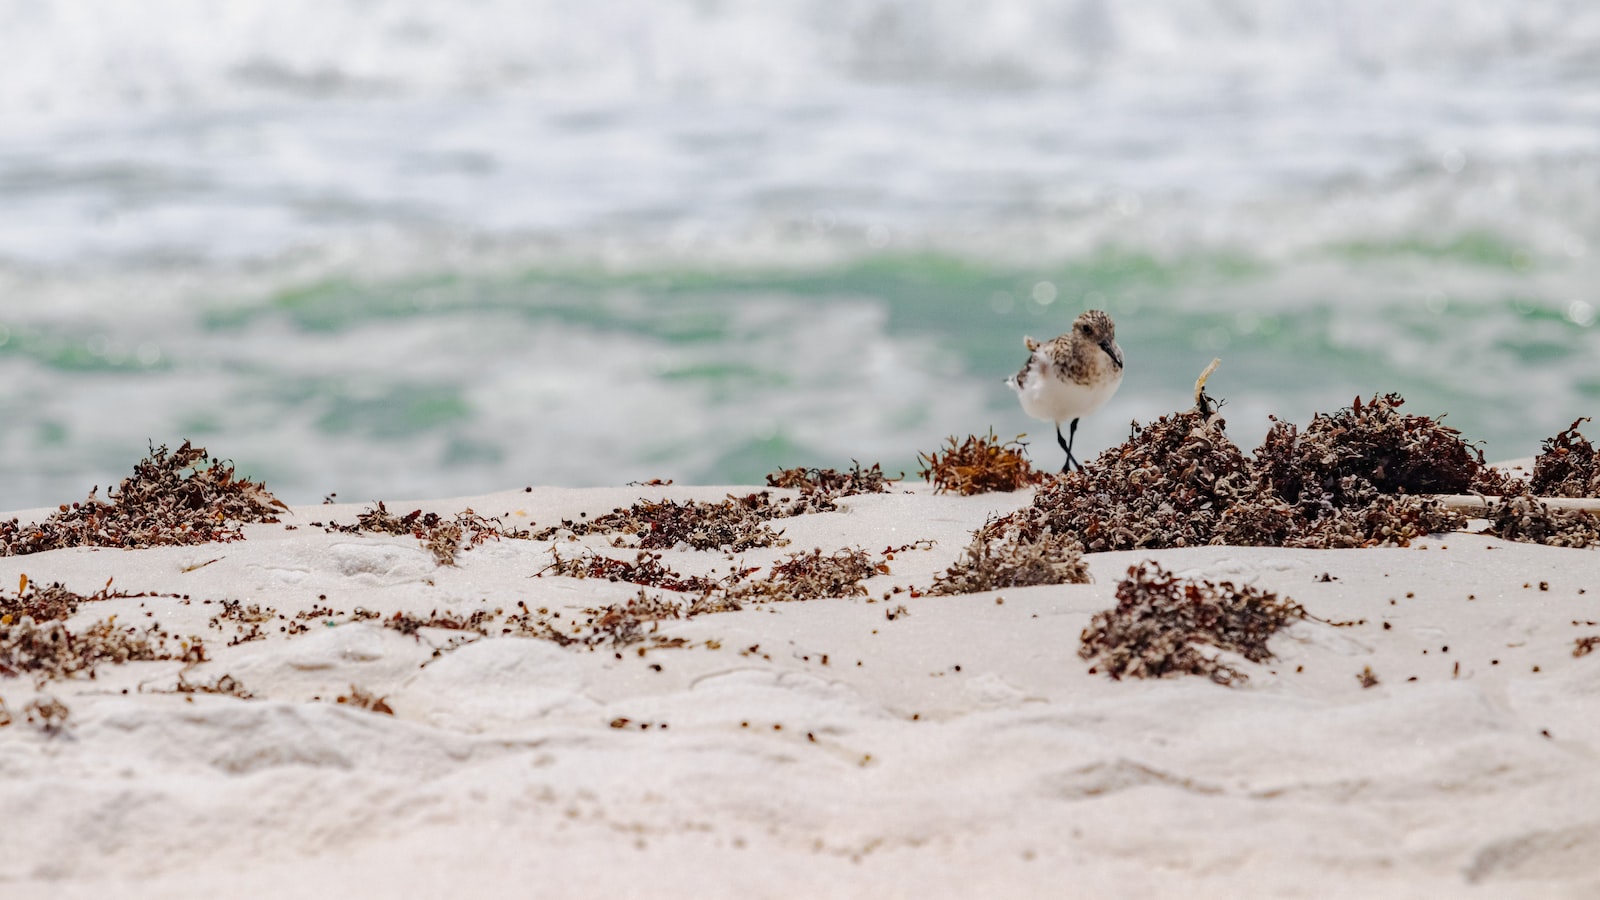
(397, 248)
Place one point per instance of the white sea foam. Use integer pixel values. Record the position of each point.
(78, 56)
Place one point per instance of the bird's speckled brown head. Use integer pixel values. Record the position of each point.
(1095, 325)
(1096, 328)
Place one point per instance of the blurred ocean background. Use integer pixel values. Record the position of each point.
(401, 248)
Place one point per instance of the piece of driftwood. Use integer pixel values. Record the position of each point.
(1471, 503)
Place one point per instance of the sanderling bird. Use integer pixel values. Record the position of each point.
(1070, 376)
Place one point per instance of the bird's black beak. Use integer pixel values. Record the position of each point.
(1111, 351)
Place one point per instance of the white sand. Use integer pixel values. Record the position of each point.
(962, 750)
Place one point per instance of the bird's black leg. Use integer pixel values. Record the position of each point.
(1066, 444)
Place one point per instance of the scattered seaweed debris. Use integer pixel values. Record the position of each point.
(1160, 623)
(172, 498)
(364, 699)
(477, 622)
(618, 624)
(442, 537)
(646, 569)
(813, 576)
(979, 465)
(1008, 561)
(247, 620)
(1585, 645)
(819, 488)
(224, 684)
(1566, 466)
(47, 714)
(1528, 520)
(51, 602)
(51, 651)
(734, 524)
(799, 577)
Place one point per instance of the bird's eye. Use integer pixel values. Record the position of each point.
(1084, 328)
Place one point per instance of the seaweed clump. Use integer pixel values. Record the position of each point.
(813, 576)
(979, 465)
(819, 488)
(646, 569)
(1353, 479)
(735, 524)
(1166, 486)
(1352, 456)
(1161, 623)
(1386, 520)
(1008, 561)
(442, 537)
(1566, 466)
(173, 498)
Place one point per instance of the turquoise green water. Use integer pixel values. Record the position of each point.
(476, 379)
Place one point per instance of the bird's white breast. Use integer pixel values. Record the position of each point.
(1045, 394)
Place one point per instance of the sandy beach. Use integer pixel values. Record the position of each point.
(892, 744)
(533, 338)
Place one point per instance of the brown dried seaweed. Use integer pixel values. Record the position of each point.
(408, 624)
(1008, 561)
(171, 498)
(646, 569)
(1351, 456)
(224, 684)
(616, 625)
(799, 577)
(442, 537)
(1347, 481)
(51, 602)
(248, 620)
(734, 524)
(813, 576)
(979, 465)
(1566, 466)
(1527, 520)
(1166, 486)
(1160, 623)
(1385, 521)
(51, 650)
(364, 699)
(820, 487)
(47, 714)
